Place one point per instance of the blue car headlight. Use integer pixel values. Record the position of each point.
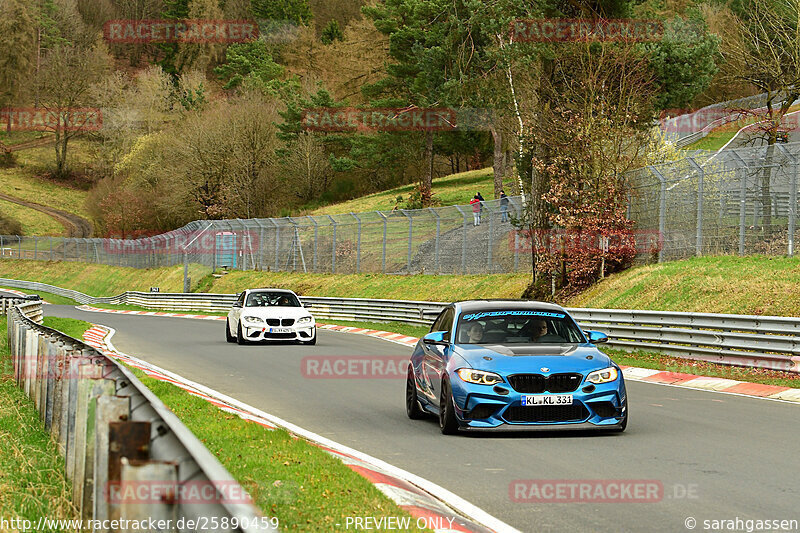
(304, 320)
(479, 377)
(605, 375)
(253, 319)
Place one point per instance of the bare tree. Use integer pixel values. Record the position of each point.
(763, 50)
(64, 85)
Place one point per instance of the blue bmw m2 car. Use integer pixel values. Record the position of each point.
(514, 365)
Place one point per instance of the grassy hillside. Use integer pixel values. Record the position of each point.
(752, 285)
(26, 180)
(451, 190)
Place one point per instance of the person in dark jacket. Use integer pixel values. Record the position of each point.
(503, 206)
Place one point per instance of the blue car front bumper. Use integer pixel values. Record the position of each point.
(500, 407)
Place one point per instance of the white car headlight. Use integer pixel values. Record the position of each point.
(603, 376)
(253, 319)
(304, 320)
(479, 377)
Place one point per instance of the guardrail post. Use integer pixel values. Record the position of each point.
(463, 242)
(662, 210)
(358, 245)
(129, 440)
(383, 254)
(109, 409)
(163, 473)
(436, 241)
(700, 193)
(99, 388)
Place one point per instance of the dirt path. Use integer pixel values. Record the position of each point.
(74, 226)
(35, 143)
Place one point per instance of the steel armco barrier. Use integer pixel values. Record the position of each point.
(741, 340)
(111, 429)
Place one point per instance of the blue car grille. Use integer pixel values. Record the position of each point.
(536, 383)
(546, 413)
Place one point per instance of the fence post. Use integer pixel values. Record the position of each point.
(35, 248)
(383, 255)
(333, 246)
(410, 233)
(51, 248)
(516, 233)
(742, 200)
(316, 236)
(463, 242)
(489, 242)
(698, 247)
(792, 200)
(662, 209)
(358, 244)
(436, 242)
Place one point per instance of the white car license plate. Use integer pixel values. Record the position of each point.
(280, 330)
(550, 399)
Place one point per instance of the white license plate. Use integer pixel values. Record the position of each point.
(550, 399)
(280, 330)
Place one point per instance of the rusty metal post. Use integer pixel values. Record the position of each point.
(109, 409)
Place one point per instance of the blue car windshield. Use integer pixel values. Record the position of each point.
(517, 327)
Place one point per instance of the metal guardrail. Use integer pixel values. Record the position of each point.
(127, 456)
(752, 341)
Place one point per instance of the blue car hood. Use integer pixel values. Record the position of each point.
(530, 358)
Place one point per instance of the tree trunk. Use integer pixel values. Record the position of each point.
(427, 178)
(498, 165)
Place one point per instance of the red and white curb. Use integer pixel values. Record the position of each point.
(12, 291)
(430, 505)
(632, 373)
(727, 386)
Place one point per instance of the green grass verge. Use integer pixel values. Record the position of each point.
(450, 190)
(444, 288)
(412, 330)
(32, 479)
(713, 141)
(99, 280)
(751, 285)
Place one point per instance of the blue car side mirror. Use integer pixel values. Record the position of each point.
(596, 337)
(436, 337)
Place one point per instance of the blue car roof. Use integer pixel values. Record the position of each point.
(485, 305)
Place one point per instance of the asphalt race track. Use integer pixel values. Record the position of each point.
(718, 456)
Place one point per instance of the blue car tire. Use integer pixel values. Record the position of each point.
(413, 409)
(447, 414)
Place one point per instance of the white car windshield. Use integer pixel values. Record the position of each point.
(269, 299)
(517, 327)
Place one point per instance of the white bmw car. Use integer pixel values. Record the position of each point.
(269, 315)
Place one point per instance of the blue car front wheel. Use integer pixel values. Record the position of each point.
(447, 412)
